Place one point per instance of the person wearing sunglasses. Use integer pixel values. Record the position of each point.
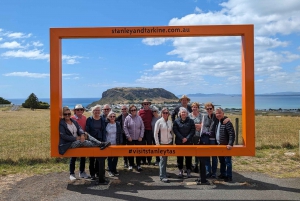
(134, 131)
(105, 110)
(81, 120)
(146, 114)
(211, 163)
(113, 132)
(121, 119)
(72, 136)
(163, 127)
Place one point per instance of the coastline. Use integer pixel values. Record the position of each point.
(262, 102)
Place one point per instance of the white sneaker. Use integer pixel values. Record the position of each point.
(72, 177)
(130, 168)
(84, 175)
(110, 174)
(188, 173)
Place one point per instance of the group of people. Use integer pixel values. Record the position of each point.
(148, 127)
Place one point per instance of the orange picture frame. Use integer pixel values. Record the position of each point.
(248, 110)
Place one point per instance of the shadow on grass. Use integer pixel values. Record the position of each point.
(32, 161)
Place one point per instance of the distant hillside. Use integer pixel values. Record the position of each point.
(135, 95)
(281, 94)
(265, 94)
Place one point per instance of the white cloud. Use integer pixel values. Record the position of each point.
(29, 54)
(35, 75)
(154, 41)
(220, 57)
(198, 10)
(67, 75)
(38, 54)
(266, 42)
(1, 39)
(11, 45)
(37, 44)
(18, 35)
(71, 59)
(27, 74)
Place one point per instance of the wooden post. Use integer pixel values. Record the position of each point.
(236, 131)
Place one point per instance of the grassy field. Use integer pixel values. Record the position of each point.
(25, 145)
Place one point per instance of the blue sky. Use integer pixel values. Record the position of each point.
(180, 65)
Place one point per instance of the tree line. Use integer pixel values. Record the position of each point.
(33, 102)
(4, 101)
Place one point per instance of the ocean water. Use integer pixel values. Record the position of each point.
(225, 101)
(261, 101)
(70, 102)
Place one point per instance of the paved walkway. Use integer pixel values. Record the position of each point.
(146, 186)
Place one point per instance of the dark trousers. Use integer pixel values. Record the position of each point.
(124, 143)
(93, 166)
(72, 165)
(202, 161)
(112, 163)
(148, 139)
(188, 159)
(131, 158)
(188, 162)
(101, 169)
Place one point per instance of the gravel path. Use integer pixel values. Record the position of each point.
(146, 186)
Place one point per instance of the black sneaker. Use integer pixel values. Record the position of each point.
(196, 169)
(125, 165)
(116, 173)
(221, 176)
(213, 176)
(228, 179)
(102, 183)
(93, 178)
(203, 183)
(139, 168)
(156, 163)
(103, 145)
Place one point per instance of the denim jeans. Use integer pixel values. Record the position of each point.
(112, 163)
(163, 167)
(211, 165)
(72, 165)
(225, 166)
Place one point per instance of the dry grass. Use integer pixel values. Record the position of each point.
(25, 145)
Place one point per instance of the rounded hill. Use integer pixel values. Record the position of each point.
(134, 95)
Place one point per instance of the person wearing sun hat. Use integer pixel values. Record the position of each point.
(146, 114)
(184, 100)
(81, 120)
